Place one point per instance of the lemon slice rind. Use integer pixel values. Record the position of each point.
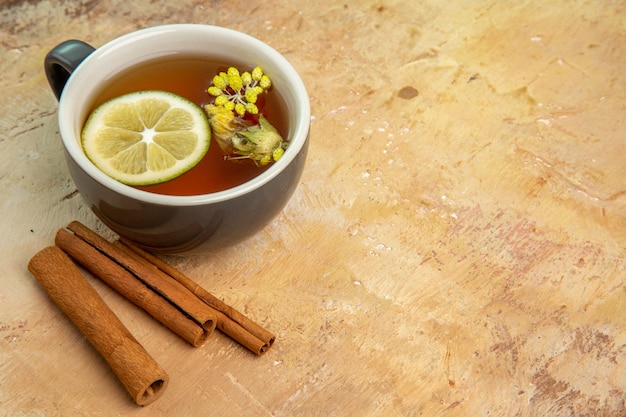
(146, 137)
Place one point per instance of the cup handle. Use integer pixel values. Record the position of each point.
(62, 60)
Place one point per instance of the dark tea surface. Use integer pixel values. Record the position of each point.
(190, 78)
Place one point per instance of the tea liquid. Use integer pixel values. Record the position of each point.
(190, 78)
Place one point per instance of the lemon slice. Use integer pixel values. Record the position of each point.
(146, 137)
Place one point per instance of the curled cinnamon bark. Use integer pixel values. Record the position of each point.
(229, 320)
(162, 290)
(151, 276)
(142, 377)
(132, 288)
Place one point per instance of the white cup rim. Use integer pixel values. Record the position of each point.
(68, 116)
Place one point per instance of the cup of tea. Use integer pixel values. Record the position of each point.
(217, 203)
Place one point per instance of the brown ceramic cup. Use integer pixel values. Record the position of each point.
(79, 73)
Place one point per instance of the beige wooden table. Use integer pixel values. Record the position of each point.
(456, 246)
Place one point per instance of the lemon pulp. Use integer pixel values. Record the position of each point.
(146, 137)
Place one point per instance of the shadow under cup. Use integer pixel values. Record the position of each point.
(166, 223)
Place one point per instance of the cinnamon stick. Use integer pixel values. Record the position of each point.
(229, 320)
(155, 279)
(131, 288)
(142, 377)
